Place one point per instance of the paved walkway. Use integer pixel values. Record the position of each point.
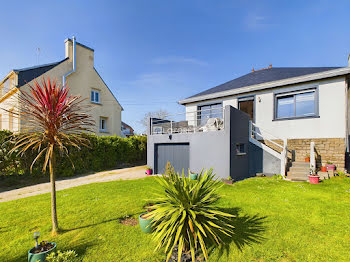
(105, 176)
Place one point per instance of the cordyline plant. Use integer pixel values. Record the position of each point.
(53, 120)
(184, 215)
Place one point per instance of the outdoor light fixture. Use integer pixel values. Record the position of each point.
(36, 235)
(259, 99)
(170, 136)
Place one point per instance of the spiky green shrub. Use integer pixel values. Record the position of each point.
(185, 215)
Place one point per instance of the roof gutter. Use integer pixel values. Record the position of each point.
(73, 70)
(273, 84)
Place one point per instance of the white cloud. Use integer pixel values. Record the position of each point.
(255, 21)
(178, 60)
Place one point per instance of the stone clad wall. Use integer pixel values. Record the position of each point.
(327, 149)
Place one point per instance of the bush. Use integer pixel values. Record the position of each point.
(66, 256)
(184, 215)
(103, 153)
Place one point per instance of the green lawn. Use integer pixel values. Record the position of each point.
(277, 221)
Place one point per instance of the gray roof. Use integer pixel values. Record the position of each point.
(264, 76)
(25, 75)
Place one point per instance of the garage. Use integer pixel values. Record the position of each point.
(177, 154)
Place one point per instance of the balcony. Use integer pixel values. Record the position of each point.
(207, 120)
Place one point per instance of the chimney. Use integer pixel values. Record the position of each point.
(68, 48)
(349, 60)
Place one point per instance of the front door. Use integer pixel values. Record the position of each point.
(247, 106)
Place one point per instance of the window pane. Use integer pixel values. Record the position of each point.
(92, 96)
(305, 104)
(285, 106)
(97, 98)
(216, 113)
(204, 114)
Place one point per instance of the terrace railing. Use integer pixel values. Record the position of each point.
(189, 122)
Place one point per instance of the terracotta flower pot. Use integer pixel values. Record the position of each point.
(149, 172)
(331, 167)
(323, 169)
(307, 159)
(314, 179)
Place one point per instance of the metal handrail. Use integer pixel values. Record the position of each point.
(266, 132)
(273, 142)
(196, 111)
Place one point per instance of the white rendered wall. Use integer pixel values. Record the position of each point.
(332, 108)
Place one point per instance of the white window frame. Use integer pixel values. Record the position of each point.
(93, 96)
(105, 119)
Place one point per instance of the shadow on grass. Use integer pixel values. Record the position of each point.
(100, 223)
(247, 230)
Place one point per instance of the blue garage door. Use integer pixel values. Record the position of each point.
(177, 154)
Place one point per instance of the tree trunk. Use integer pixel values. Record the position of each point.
(53, 195)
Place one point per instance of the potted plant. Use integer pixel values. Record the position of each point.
(145, 220)
(307, 158)
(313, 178)
(330, 166)
(40, 251)
(228, 180)
(323, 168)
(193, 175)
(148, 170)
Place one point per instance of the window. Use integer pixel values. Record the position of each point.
(11, 120)
(6, 86)
(294, 105)
(103, 124)
(240, 149)
(209, 111)
(95, 96)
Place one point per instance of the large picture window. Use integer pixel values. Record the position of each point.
(209, 111)
(295, 105)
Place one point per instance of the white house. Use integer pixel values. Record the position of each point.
(267, 121)
(299, 105)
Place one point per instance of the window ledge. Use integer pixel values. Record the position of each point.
(96, 103)
(295, 118)
(104, 131)
(241, 154)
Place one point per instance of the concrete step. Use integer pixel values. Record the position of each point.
(300, 164)
(298, 173)
(297, 178)
(299, 168)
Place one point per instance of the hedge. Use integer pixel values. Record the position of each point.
(103, 153)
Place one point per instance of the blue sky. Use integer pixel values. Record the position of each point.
(154, 53)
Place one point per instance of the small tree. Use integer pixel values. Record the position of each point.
(53, 121)
(161, 114)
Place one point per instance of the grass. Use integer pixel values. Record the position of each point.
(276, 221)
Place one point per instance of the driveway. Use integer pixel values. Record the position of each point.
(105, 176)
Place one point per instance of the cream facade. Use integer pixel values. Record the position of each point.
(79, 74)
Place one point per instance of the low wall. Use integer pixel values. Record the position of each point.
(327, 149)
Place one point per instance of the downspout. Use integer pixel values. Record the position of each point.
(73, 70)
(347, 86)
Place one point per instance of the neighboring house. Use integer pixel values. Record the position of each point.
(127, 130)
(79, 74)
(293, 112)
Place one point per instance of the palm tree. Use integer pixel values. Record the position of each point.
(53, 121)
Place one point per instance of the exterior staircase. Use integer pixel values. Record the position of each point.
(298, 171)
